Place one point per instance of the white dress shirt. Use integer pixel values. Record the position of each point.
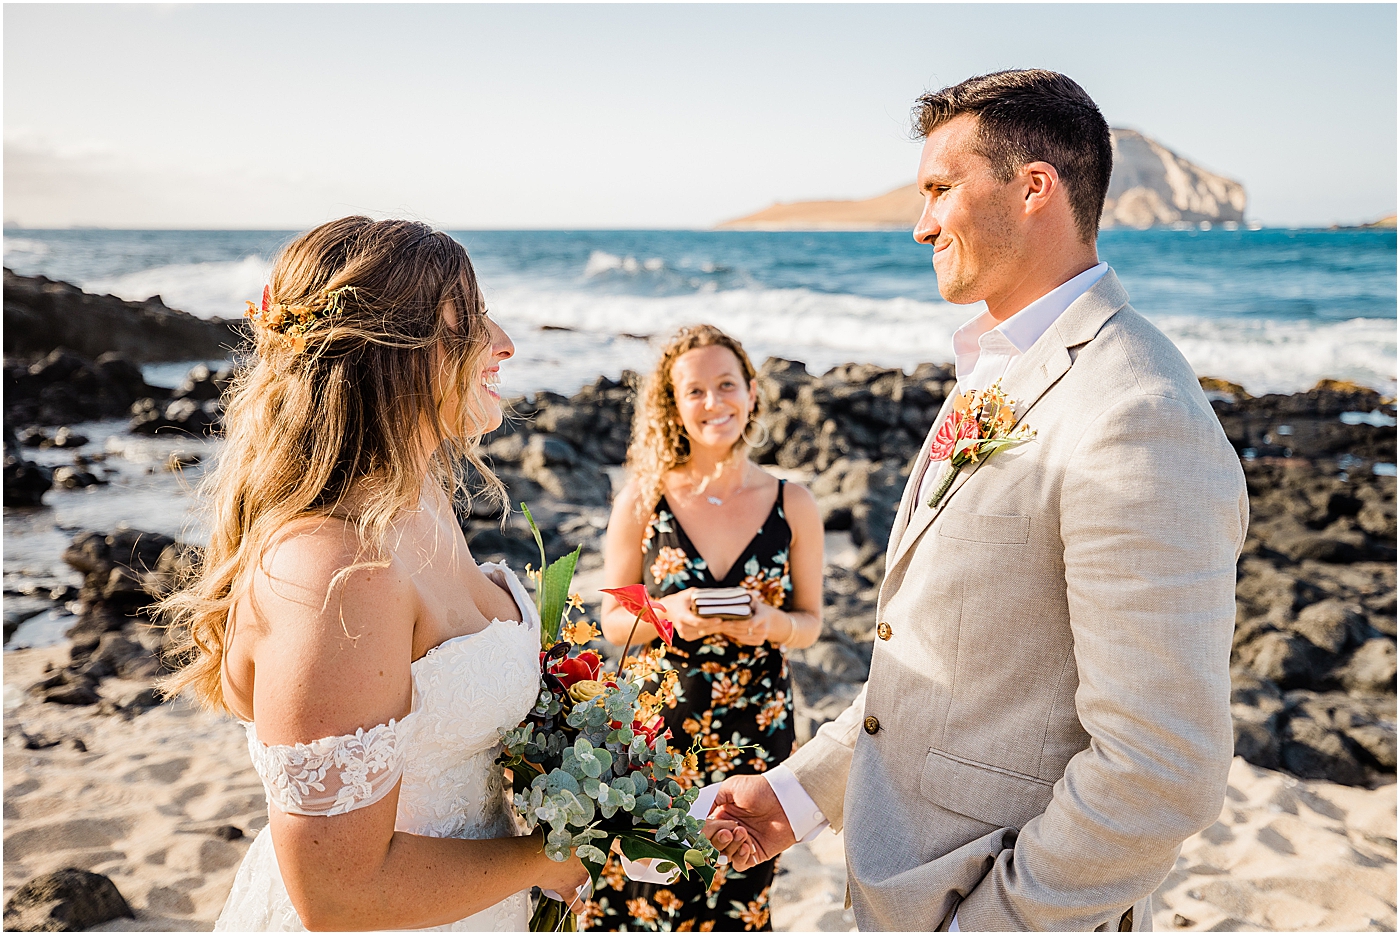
(983, 352)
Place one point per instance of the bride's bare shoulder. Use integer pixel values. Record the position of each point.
(333, 636)
(314, 550)
(312, 559)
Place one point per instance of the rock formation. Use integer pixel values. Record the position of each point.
(42, 315)
(897, 209)
(64, 387)
(1154, 187)
(1314, 655)
(68, 900)
(1313, 663)
(1151, 187)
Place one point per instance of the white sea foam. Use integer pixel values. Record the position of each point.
(209, 290)
(1272, 356)
(23, 248)
(824, 330)
(601, 263)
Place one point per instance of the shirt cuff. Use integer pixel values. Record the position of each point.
(806, 820)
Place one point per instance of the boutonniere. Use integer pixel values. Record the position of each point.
(979, 425)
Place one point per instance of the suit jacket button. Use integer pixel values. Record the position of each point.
(884, 631)
(872, 724)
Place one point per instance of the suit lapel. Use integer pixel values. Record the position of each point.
(910, 500)
(1029, 378)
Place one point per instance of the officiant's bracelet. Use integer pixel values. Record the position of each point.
(792, 630)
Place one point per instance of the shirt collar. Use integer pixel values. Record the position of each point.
(1026, 326)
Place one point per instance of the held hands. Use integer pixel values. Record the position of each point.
(763, 830)
(735, 839)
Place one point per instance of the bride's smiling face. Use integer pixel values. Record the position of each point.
(712, 396)
(481, 395)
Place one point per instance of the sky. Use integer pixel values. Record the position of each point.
(273, 116)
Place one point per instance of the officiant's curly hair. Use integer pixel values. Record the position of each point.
(341, 418)
(659, 443)
(1032, 115)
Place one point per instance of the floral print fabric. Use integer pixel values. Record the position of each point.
(726, 692)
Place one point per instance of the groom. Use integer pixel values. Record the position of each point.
(1047, 716)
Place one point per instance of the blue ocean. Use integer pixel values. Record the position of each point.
(1275, 310)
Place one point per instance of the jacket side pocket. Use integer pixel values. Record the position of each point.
(998, 797)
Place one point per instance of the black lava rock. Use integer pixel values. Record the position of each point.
(65, 901)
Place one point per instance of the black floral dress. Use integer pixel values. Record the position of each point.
(726, 692)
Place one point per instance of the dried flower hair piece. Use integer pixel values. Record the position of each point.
(293, 321)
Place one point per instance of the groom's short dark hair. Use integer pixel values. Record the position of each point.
(1032, 115)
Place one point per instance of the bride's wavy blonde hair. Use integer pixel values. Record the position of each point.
(329, 421)
(659, 443)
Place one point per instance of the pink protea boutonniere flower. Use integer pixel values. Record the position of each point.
(980, 424)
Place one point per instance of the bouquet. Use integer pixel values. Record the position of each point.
(980, 424)
(590, 763)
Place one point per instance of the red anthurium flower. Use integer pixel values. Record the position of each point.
(635, 599)
(651, 731)
(957, 426)
(267, 298)
(584, 666)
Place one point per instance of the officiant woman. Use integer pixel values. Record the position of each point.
(698, 513)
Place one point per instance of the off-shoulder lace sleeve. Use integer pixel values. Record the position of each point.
(333, 775)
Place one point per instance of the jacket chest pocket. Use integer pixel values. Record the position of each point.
(984, 527)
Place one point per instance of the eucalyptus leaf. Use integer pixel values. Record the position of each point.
(561, 780)
(590, 764)
(590, 854)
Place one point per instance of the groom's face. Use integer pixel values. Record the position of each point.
(970, 217)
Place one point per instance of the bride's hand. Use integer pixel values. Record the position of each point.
(563, 877)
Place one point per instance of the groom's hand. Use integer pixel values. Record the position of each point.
(751, 802)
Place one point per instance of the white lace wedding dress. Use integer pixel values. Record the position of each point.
(445, 749)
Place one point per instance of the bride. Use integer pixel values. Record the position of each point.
(338, 612)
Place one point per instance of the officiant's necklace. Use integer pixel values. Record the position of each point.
(711, 499)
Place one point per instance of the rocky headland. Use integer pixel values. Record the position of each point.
(1151, 186)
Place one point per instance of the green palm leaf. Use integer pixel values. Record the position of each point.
(553, 592)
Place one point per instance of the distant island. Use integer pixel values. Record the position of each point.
(1151, 187)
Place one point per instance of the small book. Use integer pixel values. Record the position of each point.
(725, 603)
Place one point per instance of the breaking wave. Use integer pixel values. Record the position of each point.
(209, 290)
(1264, 356)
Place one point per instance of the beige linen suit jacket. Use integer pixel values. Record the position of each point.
(1048, 718)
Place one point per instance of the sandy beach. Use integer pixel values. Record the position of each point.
(150, 801)
(1286, 855)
